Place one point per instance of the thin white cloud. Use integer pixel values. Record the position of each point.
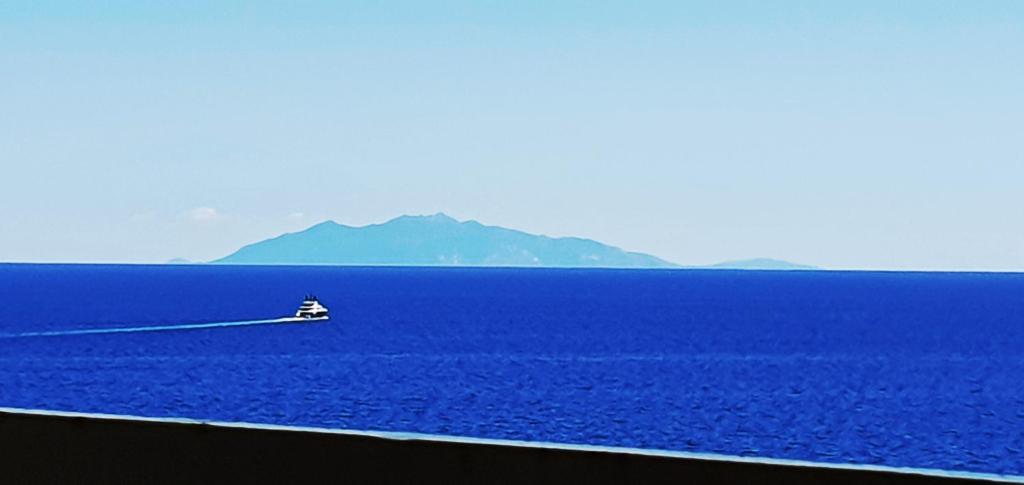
(204, 214)
(296, 215)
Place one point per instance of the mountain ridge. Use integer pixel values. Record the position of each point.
(441, 240)
(435, 240)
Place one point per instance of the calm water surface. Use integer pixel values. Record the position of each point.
(901, 369)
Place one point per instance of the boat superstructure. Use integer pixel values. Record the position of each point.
(312, 309)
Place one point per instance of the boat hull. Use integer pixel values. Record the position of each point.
(305, 319)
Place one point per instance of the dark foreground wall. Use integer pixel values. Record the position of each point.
(62, 448)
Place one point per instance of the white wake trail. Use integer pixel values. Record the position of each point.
(162, 328)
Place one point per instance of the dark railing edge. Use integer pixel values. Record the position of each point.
(428, 438)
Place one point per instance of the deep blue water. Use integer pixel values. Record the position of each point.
(900, 369)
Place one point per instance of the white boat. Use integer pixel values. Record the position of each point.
(311, 309)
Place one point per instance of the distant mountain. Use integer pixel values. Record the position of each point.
(436, 240)
(178, 261)
(760, 263)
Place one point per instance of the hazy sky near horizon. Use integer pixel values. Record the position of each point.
(868, 134)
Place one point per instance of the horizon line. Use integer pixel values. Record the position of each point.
(708, 268)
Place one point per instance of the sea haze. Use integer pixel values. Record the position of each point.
(900, 369)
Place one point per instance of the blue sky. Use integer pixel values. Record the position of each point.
(872, 134)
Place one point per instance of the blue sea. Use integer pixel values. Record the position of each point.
(901, 369)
